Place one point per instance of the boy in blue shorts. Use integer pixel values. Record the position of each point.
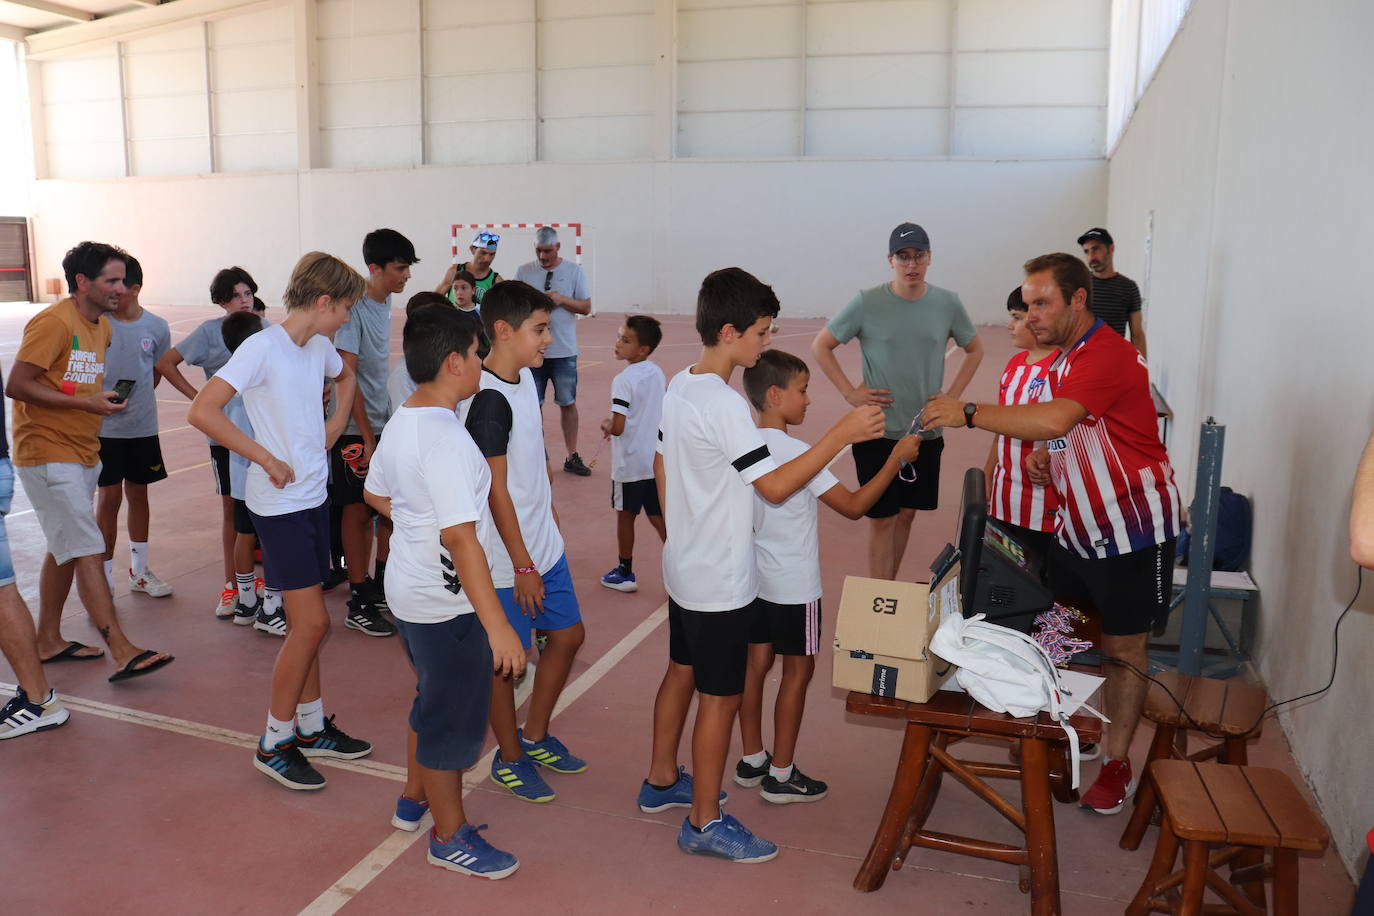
(428, 477)
(711, 459)
(279, 372)
(636, 408)
(529, 566)
(787, 612)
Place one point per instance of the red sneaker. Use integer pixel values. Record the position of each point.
(1109, 791)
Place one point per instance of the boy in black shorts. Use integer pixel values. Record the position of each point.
(787, 619)
(130, 450)
(711, 459)
(428, 477)
(279, 372)
(636, 408)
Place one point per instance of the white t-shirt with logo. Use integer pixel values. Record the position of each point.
(430, 469)
(787, 545)
(712, 454)
(281, 385)
(637, 393)
(503, 419)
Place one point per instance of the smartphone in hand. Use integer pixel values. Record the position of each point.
(122, 389)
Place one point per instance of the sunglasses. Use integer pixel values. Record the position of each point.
(488, 238)
(548, 281)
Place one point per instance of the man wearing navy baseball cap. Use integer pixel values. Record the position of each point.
(902, 327)
(1115, 297)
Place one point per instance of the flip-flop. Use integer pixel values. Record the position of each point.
(129, 670)
(69, 654)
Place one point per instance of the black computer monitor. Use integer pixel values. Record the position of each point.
(997, 576)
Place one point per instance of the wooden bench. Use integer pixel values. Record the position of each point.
(1230, 708)
(931, 728)
(1240, 810)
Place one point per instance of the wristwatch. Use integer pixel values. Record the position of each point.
(969, 410)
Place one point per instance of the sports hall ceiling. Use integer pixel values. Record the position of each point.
(19, 18)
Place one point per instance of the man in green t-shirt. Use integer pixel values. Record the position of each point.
(903, 328)
(483, 252)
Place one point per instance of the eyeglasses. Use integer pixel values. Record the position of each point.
(920, 257)
(548, 281)
(487, 238)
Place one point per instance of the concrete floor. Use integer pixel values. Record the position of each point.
(146, 801)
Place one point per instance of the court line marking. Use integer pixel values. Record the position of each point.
(203, 464)
(389, 850)
(228, 736)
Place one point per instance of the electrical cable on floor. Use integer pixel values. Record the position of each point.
(1335, 657)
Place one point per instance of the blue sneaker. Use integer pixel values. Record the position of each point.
(522, 778)
(620, 581)
(408, 813)
(725, 838)
(552, 754)
(678, 795)
(469, 854)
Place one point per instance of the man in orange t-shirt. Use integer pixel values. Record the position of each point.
(58, 387)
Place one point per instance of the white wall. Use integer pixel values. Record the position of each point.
(1255, 164)
(817, 230)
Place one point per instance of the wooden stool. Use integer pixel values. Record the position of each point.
(1243, 809)
(1227, 707)
(930, 729)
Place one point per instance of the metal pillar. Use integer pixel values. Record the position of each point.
(1203, 528)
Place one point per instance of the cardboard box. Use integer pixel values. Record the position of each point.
(882, 636)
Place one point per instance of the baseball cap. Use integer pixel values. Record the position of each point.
(1098, 235)
(485, 239)
(908, 235)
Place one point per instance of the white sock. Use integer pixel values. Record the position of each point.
(271, 601)
(277, 732)
(780, 774)
(138, 557)
(310, 716)
(109, 573)
(247, 583)
(756, 760)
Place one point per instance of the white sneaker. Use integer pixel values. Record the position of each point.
(149, 584)
(22, 716)
(228, 602)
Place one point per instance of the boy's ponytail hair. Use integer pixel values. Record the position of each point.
(318, 274)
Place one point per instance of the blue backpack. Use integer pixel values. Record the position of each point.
(1235, 527)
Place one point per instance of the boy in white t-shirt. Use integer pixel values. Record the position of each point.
(529, 565)
(278, 372)
(636, 408)
(787, 619)
(428, 477)
(711, 460)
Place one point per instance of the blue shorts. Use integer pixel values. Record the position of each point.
(6, 496)
(295, 547)
(561, 609)
(452, 663)
(562, 370)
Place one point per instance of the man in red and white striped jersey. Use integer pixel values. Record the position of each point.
(1026, 509)
(1119, 508)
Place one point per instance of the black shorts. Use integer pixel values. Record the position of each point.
(135, 460)
(452, 662)
(792, 629)
(1130, 591)
(869, 458)
(345, 486)
(633, 495)
(219, 468)
(295, 547)
(243, 519)
(715, 644)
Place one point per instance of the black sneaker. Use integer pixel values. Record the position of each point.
(287, 765)
(332, 742)
(750, 776)
(574, 465)
(798, 788)
(373, 594)
(367, 619)
(246, 615)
